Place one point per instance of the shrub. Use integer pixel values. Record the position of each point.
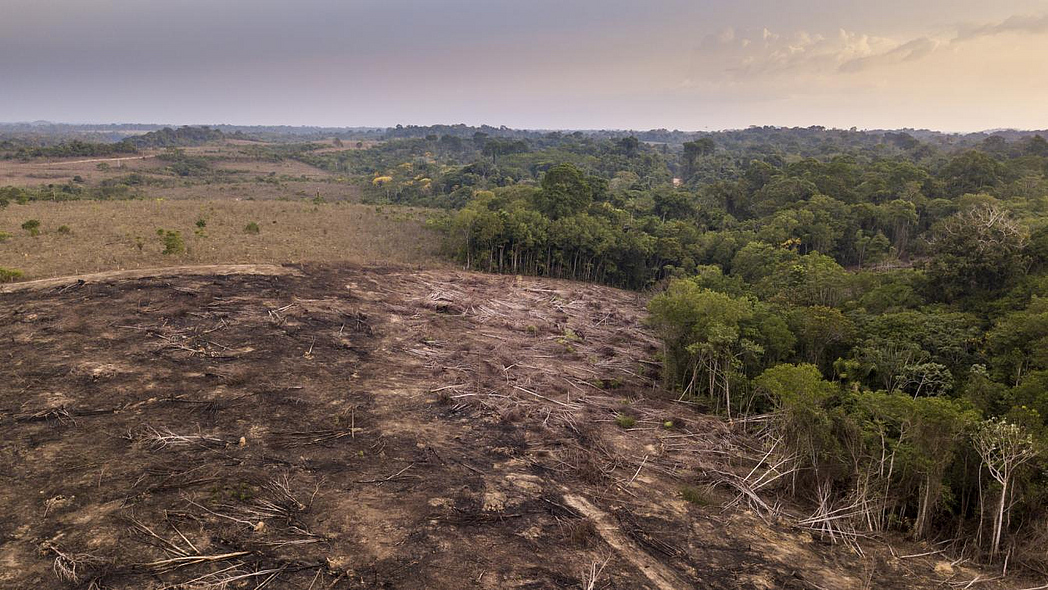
(4, 236)
(32, 226)
(571, 336)
(173, 243)
(625, 421)
(201, 223)
(9, 274)
(252, 228)
(64, 230)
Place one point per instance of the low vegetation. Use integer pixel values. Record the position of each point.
(32, 227)
(8, 275)
(173, 243)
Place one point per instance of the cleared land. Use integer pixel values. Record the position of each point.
(349, 427)
(113, 235)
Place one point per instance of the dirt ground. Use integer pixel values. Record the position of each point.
(371, 427)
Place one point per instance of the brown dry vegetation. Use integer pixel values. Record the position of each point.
(112, 235)
(238, 174)
(327, 427)
(38, 171)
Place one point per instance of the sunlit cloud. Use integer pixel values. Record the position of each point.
(909, 51)
(1029, 24)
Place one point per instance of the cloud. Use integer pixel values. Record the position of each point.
(907, 52)
(764, 53)
(738, 55)
(1029, 24)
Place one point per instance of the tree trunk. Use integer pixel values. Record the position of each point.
(999, 521)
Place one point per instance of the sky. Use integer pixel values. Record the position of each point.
(951, 65)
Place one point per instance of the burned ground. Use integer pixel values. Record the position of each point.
(349, 427)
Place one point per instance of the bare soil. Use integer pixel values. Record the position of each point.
(370, 427)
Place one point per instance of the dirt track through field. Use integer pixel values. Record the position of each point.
(67, 162)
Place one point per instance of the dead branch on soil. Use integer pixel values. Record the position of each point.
(589, 579)
(390, 478)
(73, 567)
(164, 438)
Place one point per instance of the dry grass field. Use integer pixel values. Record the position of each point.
(114, 235)
(40, 171)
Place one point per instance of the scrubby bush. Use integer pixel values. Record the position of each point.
(32, 226)
(252, 228)
(173, 242)
(9, 274)
(4, 236)
(64, 230)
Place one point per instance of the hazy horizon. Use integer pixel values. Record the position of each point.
(533, 129)
(951, 66)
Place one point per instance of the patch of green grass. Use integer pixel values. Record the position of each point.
(64, 230)
(4, 236)
(252, 228)
(625, 421)
(8, 275)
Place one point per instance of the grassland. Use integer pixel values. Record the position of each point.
(115, 235)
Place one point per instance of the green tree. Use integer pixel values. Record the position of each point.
(975, 252)
(1018, 342)
(707, 337)
(820, 329)
(565, 192)
(803, 425)
(1004, 448)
